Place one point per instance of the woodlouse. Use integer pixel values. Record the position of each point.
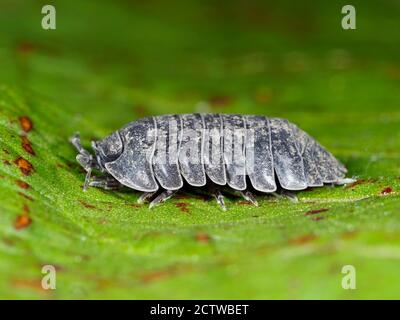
(269, 154)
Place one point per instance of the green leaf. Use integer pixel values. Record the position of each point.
(108, 63)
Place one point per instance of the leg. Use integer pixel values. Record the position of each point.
(249, 197)
(105, 182)
(85, 159)
(215, 191)
(145, 196)
(162, 197)
(286, 194)
(76, 142)
(290, 195)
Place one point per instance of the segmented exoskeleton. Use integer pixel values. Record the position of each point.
(240, 151)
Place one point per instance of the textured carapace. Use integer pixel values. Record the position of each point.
(239, 151)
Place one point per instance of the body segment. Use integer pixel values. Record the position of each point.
(259, 160)
(166, 154)
(133, 168)
(213, 149)
(191, 160)
(234, 150)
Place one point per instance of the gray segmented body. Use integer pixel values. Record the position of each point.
(170, 149)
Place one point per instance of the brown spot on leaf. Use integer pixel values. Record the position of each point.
(22, 184)
(203, 237)
(26, 47)
(311, 212)
(244, 203)
(25, 196)
(386, 191)
(356, 183)
(140, 110)
(263, 95)
(219, 100)
(318, 218)
(31, 284)
(23, 220)
(87, 205)
(24, 165)
(6, 163)
(393, 72)
(182, 206)
(26, 123)
(26, 145)
(349, 234)
(302, 239)
(156, 275)
(8, 241)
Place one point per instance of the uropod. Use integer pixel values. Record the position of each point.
(157, 155)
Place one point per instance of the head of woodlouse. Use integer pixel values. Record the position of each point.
(107, 149)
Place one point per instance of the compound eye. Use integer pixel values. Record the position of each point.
(110, 147)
